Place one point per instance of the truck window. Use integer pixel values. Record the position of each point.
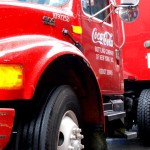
(93, 6)
(47, 2)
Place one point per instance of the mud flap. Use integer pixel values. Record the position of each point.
(95, 138)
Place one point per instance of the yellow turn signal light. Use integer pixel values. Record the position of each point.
(77, 29)
(11, 76)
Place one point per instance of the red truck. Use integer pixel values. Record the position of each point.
(136, 63)
(61, 71)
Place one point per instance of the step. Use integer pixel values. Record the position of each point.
(125, 134)
(113, 115)
(130, 134)
(116, 105)
(108, 106)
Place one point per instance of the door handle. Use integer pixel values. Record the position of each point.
(147, 44)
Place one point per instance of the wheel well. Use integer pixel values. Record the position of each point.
(66, 70)
(136, 87)
(74, 71)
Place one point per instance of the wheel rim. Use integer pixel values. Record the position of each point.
(70, 136)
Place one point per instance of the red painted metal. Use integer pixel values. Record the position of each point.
(135, 55)
(31, 42)
(26, 39)
(36, 51)
(6, 125)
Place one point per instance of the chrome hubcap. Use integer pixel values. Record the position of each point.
(70, 136)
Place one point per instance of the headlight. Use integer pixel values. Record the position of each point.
(11, 76)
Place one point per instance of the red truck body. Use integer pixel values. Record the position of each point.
(136, 63)
(135, 55)
(51, 51)
(38, 32)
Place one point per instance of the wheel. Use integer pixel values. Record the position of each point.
(56, 127)
(143, 116)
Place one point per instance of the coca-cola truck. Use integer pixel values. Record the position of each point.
(61, 75)
(136, 58)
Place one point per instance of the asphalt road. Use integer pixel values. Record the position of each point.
(124, 144)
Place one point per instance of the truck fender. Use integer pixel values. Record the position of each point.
(36, 53)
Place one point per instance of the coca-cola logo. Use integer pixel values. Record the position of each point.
(105, 38)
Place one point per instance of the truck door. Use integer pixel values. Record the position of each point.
(99, 47)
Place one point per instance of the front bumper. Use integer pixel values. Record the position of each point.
(6, 124)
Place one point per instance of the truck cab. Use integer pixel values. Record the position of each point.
(60, 71)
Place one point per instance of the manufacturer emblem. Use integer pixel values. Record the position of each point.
(48, 21)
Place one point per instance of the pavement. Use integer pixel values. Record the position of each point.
(125, 144)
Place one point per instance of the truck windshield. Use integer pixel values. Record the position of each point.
(47, 2)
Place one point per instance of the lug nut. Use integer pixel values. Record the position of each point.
(80, 136)
(81, 146)
(73, 137)
(76, 130)
(70, 148)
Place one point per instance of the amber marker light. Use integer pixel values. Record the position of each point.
(77, 29)
(11, 76)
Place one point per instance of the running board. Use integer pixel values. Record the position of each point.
(121, 132)
(130, 134)
(113, 115)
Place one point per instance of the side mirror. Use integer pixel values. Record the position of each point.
(133, 2)
(128, 14)
(128, 10)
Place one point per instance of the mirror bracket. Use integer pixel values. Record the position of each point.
(122, 10)
(101, 11)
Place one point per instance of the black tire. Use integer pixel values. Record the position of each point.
(143, 116)
(52, 127)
